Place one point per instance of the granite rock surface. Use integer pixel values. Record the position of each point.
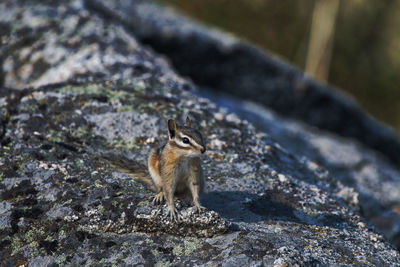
(223, 63)
(75, 82)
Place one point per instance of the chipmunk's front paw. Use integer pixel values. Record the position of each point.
(173, 214)
(159, 198)
(199, 208)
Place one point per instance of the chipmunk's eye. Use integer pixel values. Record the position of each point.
(185, 140)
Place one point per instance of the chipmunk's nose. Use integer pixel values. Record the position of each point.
(203, 149)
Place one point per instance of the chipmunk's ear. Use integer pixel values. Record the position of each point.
(172, 127)
(187, 121)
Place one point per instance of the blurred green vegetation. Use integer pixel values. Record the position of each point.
(365, 55)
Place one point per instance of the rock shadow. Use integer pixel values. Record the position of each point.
(239, 206)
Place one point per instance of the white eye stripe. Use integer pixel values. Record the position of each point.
(198, 146)
(188, 137)
(183, 136)
(192, 141)
(182, 144)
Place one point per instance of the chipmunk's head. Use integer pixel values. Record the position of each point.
(186, 139)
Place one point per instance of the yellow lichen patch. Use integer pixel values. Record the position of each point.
(191, 244)
(178, 251)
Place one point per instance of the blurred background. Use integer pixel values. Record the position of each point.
(352, 45)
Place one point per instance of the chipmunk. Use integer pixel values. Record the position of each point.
(174, 168)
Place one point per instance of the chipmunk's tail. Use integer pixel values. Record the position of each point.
(132, 168)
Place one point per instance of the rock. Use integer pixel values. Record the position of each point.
(41, 261)
(242, 70)
(5, 212)
(190, 223)
(369, 181)
(120, 125)
(58, 212)
(61, 204)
